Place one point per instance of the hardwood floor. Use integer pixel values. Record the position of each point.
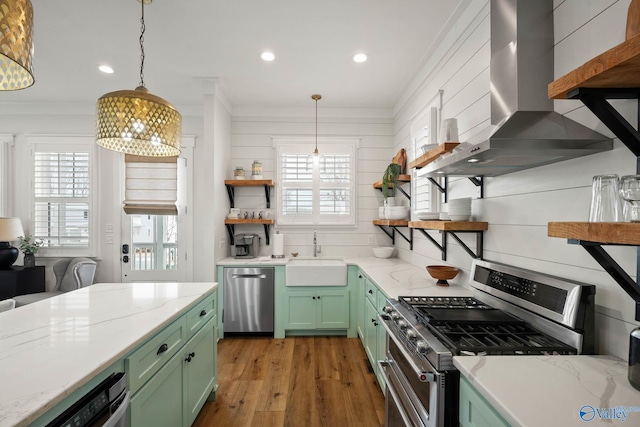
(297, 381)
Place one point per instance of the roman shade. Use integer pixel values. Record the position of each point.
(151, 185)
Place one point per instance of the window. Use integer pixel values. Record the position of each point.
(424, 132)
(322, 194)
(62, 211)
(5, 174)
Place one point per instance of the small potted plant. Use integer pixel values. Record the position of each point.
(390, 176)
(29, 246)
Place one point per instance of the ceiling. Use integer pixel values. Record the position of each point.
(189, 42)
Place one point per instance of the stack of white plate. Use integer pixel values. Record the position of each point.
(459, 209)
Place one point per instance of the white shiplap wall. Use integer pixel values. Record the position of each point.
(251, 139)
(518, 206)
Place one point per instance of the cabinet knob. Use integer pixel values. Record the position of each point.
(163, 348)
(203, 313)
(191, 356)
(313, 297)
(318, 297)
(360, 276)
(370, 291)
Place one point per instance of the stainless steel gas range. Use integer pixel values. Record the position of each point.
(512, 312)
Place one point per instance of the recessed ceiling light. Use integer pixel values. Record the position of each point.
(267, 56)
(360, 57)
(106, 69)
(473, 160)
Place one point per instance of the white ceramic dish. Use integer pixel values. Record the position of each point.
(459, 217)
(383, 251)
(425, 216)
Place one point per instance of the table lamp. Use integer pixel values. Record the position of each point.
(10, 230)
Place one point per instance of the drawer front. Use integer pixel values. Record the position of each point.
(143, 363)
(475, 411)
(204, 311)
(371, 291)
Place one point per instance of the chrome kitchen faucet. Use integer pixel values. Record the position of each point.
(316, 247)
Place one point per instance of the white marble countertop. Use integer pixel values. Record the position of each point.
(50, 348)
(393, 276)
(563, 391)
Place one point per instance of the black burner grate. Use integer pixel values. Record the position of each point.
(498, 339)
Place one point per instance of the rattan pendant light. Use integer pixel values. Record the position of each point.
(16, 44)
(136, 121)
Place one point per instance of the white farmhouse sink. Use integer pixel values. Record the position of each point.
(316, 272)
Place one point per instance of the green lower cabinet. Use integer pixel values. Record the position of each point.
(360, 305)
(200, 371)
(316, 309)
(371, 333)
(475, 411)
(176, 393)
(159, 402)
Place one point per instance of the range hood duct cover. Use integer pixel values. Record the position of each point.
(525, 132)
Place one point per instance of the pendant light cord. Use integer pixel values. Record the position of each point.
(142, 29)
(316, 126)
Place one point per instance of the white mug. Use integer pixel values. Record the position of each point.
(449, 130)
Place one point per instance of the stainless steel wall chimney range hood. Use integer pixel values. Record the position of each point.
(525, 132)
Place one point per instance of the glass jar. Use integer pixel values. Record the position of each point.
(256, 169)
(238, 172)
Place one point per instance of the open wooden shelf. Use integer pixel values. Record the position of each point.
(229, 221)
(611, 233)
(401, 178)
(431, 155)
(618, 67)
(450, 225)
(249, 182)
(391, 222)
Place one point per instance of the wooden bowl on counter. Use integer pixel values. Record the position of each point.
(442, 273)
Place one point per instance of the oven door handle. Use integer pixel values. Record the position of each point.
(423, 376)
(394, 395)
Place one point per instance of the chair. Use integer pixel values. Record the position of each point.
(71, 274)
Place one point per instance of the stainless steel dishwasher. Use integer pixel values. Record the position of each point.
(248, 300)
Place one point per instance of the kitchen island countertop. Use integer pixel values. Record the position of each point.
(51, 348)
(563, 391)
(393, 276)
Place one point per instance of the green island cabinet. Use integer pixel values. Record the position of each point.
(475, 411)
(169, 388)
(371, 300)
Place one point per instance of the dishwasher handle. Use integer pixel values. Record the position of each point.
(248, 276)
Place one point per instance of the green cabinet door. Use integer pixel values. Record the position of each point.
(371, 333)
(332, 309)
(360, 305)
(199, 370)
(300, 312)
(160, 401)
(475, 411)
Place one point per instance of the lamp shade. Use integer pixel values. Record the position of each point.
(16, 44)
(10, 229)
(138, 122)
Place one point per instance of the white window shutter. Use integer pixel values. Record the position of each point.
(151, 185)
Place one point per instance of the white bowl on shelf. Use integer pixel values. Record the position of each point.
(383, 251)
(396, 212)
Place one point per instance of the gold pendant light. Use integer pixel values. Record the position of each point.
(136, 121)
(16, 44)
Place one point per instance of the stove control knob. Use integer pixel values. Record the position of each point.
(387, 309)
(402, 325)
(411, 334)
(395, 316)
(422, 347)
